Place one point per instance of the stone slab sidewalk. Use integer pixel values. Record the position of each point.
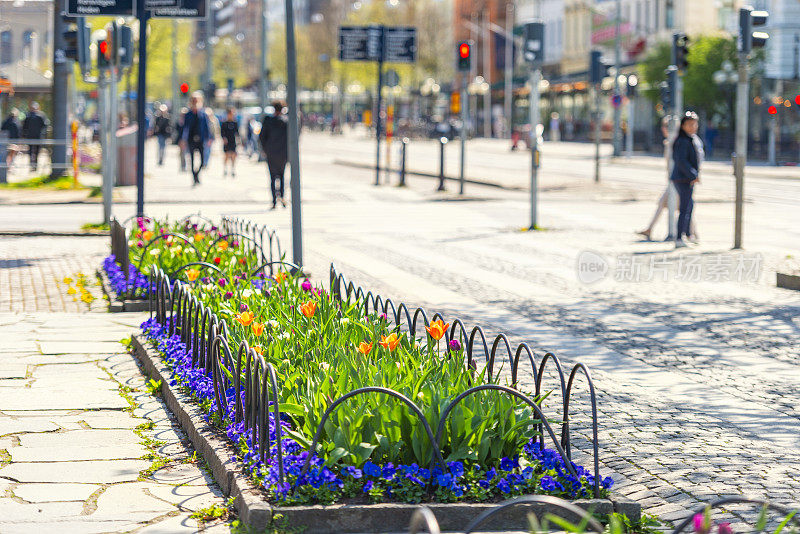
(80, 434)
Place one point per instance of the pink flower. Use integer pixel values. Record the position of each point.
(701, 526)
(306, 285)
(228, 295)
(243, 307)
(222, 282)
(725, 528)
(454, 345)
(140, 244)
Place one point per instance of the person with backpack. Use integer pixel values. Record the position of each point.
(274, 139)
(197, 135)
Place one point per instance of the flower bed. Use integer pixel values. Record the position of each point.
(370, 448)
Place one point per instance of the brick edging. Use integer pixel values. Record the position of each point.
(255, 512)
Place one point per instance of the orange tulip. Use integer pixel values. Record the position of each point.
(390, 342)
(192, 274)
(308, 308)
(364, 347)
(258, 328)
(223, 245)
(245, 318)
(148, 235)
(437, 329)
(258, 349)
(280, 277)
(198, 236)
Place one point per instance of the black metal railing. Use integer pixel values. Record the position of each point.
(207, 338)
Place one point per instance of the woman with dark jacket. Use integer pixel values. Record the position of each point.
(687, 153)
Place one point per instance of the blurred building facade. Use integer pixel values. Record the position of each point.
(26, 47)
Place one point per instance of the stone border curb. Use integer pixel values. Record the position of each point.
(258, 514)
(788, 281)
(53, 233)
(115, 305)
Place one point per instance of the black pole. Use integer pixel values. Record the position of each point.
(442, 142)
(61, 69)
(141, 98)
(378, 122)
(403, 163)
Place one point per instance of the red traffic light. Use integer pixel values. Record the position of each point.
(772, 110)
(184, 88)
(104, 48)
(463, 50)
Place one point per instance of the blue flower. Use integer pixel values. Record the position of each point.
(548, 483)
(607, 482)
(368, 486)
(503, 486)
(445, 480)
(490, 474)
(388, 471)
(484, 484)
(371, 469)
(456, 468)
(507, 464)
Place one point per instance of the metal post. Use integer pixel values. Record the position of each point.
(294, 145)
(175, 105)
(263, 86)
(378, 121)
(774, 131)
(211, 27)
(403, 146)
(61, 69)
(487, 76)
(509, 70)
(113, 110)
(742, 91)
(534, 115)
(3, 157)
(631, 126)
(106, 184)
(596, 91)
(141, 99)
(463, 136)
(617, 65)
(442, 142)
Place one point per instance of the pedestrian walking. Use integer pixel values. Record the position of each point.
(687, 153)
(663, 200)
(213, 123)
(179, 136)
(12, 127)
(275, 145)
(197, 135)
(229, 131)
(34, 127)
(162, 129)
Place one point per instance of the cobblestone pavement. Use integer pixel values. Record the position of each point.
(697, 380)
(84, 446)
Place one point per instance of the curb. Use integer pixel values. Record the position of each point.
(258, 514)
(114, 304)
(48, 233)
(788, 281)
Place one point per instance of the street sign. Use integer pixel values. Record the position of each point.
(150, 5)
(401, 44)
(378, 43)
(91, 8)
(183, 9)
(353, 43)
(392, 78)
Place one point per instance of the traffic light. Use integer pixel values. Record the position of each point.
(464, 56)
(534, 43)
(680, 50)
(668, 89)
(455, 102)
(76, 43)
(598, 69)
(184, 88)
(124, 41)
(103, 54)
(112, 36)
(748, 39)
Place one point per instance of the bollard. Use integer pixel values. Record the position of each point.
(403, 145)
(3, 157)
(442, 142)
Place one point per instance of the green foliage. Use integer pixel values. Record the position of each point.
(95, 226)
(211, 513)
(44, 181)
(154, 388)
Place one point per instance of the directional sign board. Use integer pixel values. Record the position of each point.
(183, 9)
(353, 43)
(90, 8)
(151, 5)
(400, 45)
(378, 43)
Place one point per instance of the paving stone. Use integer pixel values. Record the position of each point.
(11, 370)
(54, 492)
(100, 471)
(64, 398)
(188, 474)
(187, 497)
(80, 347)
(176, 524)
(122, 499)
(16, 425)
(12, 511)
(111, 419)
(70, 526)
